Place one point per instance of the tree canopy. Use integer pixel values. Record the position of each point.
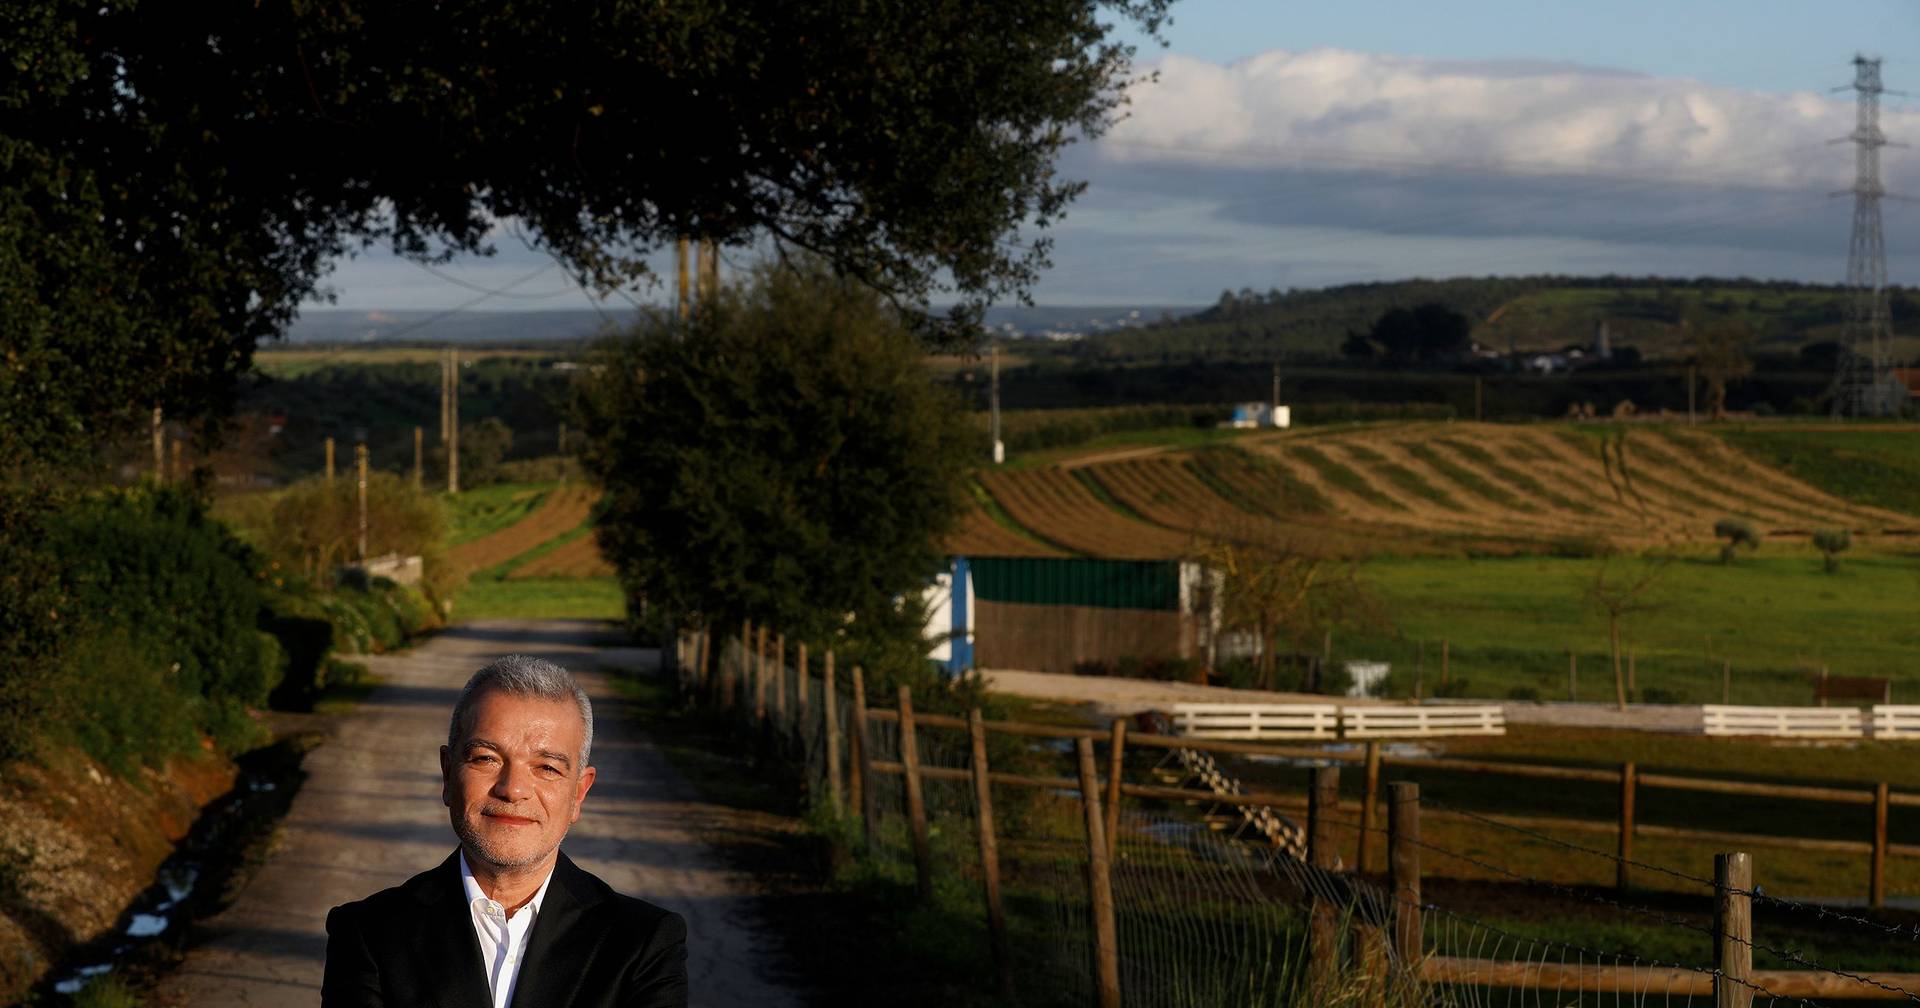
(175, 181)
(786, 458)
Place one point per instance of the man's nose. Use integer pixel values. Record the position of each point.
(513, 783)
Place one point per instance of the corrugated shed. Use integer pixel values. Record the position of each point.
(1078, 581)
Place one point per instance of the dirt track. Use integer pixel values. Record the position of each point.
(369, 816)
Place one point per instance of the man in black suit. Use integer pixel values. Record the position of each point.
(507, 921)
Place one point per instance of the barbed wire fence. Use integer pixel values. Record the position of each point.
(1173, 898)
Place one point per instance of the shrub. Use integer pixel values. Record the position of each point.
(1453, 689)
(1737, 532)
(1528, 693)
(185, 590)
(1656, 695)
(1831, 543)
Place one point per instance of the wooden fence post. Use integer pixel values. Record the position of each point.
(1369, 810)
(760, 678)
(1573, 675)
(989, 855)
(731, 674)
(805, 686)
(862, 759)
(1726, 681)
(916, 800)
(1106, 935)
(1877, 884)
(830, 718)
(1733, 930)
(1323, 926)
(780, 682)
(1629, 784)
(1403, 868)
(1116, 753)
(706, 647)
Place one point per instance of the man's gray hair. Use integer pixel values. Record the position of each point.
(524, 676)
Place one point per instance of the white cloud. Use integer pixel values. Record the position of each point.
(1331, 108)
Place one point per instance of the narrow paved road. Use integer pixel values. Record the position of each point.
(369, 816)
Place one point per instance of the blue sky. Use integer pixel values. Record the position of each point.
(1302, 145)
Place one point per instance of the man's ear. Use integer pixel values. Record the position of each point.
(586, 784)
(446, 776)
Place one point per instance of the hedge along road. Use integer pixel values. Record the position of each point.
(369, 816)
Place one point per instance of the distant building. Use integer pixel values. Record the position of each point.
(1259, 414)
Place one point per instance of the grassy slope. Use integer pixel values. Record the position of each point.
(477, 512)
(489, 594)
(1877, 467)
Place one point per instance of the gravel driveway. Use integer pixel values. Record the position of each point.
(369, 816)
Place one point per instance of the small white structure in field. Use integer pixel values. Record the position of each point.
(1259, 414)
(1364, 676)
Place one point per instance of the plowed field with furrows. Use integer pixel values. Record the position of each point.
(577, 558)
(1409, 488)
(563, 511)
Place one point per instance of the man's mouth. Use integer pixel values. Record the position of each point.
(505, 819)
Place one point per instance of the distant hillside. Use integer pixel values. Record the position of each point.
(1533, 313)
(507, 327)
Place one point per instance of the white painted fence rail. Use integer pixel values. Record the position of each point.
(1257, 721)
(1786, 722)
(1327, 721)
(1421, 722)
(1896, 720)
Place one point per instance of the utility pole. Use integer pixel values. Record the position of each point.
(360, 467)
(419, 457)
(1276, 388)
(993, 406)
(453, 420)
(709, 271)
(1862, 386)
(329, 469)
(159, 446)
(1692, 382)
(683, 276)
(563, 438)
(173, 470)
(446, 386)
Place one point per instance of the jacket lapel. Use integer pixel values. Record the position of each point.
(560, 948)
(448, 944)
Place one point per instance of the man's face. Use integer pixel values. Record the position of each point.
(515, 785)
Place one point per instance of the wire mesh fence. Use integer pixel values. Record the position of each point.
(1185, 896)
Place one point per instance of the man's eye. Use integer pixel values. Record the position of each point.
(480, 758)
(550, 770)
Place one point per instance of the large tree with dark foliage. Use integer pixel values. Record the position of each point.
(785, 458)
(175, 178)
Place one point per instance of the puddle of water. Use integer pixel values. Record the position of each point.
(146, 925)
(72, 984)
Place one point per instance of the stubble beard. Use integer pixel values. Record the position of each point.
(482, 847)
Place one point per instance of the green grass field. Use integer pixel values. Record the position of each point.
(540, 598)
(488, 509)
(1775, 615)
(1878, 467)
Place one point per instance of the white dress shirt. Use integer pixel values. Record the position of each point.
(503, 938)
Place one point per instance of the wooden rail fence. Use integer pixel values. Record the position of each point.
(1731, 980)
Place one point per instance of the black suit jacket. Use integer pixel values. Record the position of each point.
(590, 947)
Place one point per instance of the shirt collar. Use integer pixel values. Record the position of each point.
(474, 892)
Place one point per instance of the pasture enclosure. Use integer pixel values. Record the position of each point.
(1087, 887)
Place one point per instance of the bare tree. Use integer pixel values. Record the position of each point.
(1619, 594)
(1288, 592)
(1720, 350)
